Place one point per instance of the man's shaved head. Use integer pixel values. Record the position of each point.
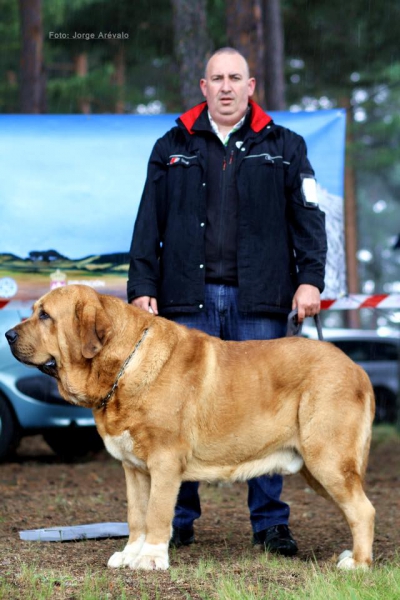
(226, 50)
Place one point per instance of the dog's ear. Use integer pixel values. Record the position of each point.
(94, 326)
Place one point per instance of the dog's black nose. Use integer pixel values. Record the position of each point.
(11, 336)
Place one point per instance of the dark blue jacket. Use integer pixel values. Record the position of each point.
(281, 239)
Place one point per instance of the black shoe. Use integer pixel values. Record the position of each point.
(276, 539)
(181, 537)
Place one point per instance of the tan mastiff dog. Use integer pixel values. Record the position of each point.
(175, 404)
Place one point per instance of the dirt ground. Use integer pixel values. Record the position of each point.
(38, 490)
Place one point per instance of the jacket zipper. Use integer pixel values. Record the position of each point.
(224, 192)
(224, 163)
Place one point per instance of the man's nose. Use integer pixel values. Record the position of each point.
(226, 84)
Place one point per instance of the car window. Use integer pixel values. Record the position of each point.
(365, 350)
(359, 352)
(386, 351)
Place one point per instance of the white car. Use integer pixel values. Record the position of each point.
(378, 352)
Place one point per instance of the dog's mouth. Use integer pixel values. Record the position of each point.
(49, 367)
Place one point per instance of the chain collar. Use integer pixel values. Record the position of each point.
(104, 401)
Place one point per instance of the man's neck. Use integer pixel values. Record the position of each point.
(224, 128)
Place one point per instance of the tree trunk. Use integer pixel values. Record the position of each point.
(32, 75)
(274, 56)
(119, 79)
(245, 32)
(81, 70)
(192, 47)
(350, 221)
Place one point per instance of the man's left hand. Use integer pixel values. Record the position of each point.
(307, 300)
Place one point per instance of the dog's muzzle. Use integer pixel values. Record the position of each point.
(49, 367)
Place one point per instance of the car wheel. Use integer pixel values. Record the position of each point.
(9, 430)
(386, 409)
(73, 443)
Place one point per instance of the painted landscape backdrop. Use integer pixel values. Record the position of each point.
(71, 186)
(43, 271)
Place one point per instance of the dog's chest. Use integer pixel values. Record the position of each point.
(121, 447)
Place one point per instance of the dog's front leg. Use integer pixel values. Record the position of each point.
(138, 492)
(165, 483)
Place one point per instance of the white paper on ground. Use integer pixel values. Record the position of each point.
(75, 532)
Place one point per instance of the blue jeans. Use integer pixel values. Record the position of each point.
(221, 318)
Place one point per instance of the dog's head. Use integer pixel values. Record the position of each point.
(68, 326)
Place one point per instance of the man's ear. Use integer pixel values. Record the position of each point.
(251, 84)
(95, 328)
(203, 87)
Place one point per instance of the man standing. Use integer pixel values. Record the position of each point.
(228, 239)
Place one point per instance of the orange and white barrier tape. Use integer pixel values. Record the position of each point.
(351, 302)
(356, 301)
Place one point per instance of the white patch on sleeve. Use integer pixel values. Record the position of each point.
(309, 191)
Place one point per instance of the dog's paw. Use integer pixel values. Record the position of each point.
(116, 560)
(152, 557)
(151, 563)
(128, 555)
(346, 561)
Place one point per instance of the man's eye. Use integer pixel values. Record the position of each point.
(43, 315)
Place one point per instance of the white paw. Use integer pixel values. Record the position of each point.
(346, 560)
(116, 560)
(128, 555)
(152, 556)
(151, 563)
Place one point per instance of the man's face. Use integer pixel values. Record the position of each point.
(227, 88)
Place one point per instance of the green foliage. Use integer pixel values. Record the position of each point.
(64, 94)
(335, 41)
(216, 22)
(8, 97)
(149, 26)
(9, 37)
(148, 54)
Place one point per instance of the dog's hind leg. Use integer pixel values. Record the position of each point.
(341, 482)
(360, 515)
(335, 434)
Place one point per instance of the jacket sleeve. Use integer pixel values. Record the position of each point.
(306, 221)
(144, 253)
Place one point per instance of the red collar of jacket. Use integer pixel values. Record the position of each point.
(259, 119)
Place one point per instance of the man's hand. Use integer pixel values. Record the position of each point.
(307, 300)
(146, 303)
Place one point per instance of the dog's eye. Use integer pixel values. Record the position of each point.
(43, 315)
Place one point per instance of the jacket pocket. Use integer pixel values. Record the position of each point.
(257, 160)
(182, 160)
(184, 176)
